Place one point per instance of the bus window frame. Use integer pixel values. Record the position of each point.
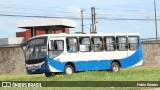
(126, 44)
(97, 44)
(133, 43)
(115, 46)
(84, 44)
(51, 51)
(68, 44)
(54, 46)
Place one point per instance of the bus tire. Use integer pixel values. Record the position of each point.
(115, 67)
(49, 74)
(69, 69)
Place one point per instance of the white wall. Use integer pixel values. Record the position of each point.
(4, 42)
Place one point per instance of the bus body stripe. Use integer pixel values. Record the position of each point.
(98, 64)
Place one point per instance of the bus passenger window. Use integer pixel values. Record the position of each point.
(56, 48)
(109, 44)
(132, 42)
(84, 44)
(122, 43)
(97, 44)
(58, 45)
(72, 44)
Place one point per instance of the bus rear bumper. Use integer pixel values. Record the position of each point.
(141, 62)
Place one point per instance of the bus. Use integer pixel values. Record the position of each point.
(69, 53)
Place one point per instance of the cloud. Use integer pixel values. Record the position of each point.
(144, 13)
(11, 23)
(74, 12)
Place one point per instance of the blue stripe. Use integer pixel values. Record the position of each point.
(84, 65)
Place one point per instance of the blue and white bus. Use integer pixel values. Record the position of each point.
(69, 53)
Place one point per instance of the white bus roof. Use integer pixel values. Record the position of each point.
(76, 35)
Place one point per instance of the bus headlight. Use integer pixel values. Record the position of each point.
(44, 64)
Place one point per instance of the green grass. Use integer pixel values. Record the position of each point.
(141, 73)
(131, 74)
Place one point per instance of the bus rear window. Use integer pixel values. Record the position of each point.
(133, 42)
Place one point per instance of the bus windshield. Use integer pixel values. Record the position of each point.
(36, 49)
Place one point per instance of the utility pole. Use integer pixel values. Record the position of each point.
(82, 20)
(156, 21)
(93, 15)
(92, 20)
(94, 11)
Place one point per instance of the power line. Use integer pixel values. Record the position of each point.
(99, 14)
(125, 19)
(55, 7)
(52, 8)
(124, 9)
(11, 15)
(49, 9)
(31, 12)
(38, 16)
(29, 7)
(62, 10)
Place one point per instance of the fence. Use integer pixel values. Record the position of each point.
(12, 58)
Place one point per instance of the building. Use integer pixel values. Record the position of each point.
(44, 26)
(28, 34)
(37, 27)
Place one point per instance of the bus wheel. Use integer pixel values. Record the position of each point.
(69, 69)
(49, 74)
(115, 67)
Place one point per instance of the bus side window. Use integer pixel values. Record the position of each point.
(97, 44)
(84, 44)
(72, 44)
(121, 43)
(52, 45)
(58, 45)
(133, 42)
(109, 44)
(56, 48)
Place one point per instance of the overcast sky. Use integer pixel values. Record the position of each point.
(111, 10)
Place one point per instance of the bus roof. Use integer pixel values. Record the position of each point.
(77, 35)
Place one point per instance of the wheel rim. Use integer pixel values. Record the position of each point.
(115, 68)
(69, 71)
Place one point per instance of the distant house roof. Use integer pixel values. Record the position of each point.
(58, 22)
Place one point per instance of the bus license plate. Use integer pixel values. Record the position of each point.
(33, 70)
